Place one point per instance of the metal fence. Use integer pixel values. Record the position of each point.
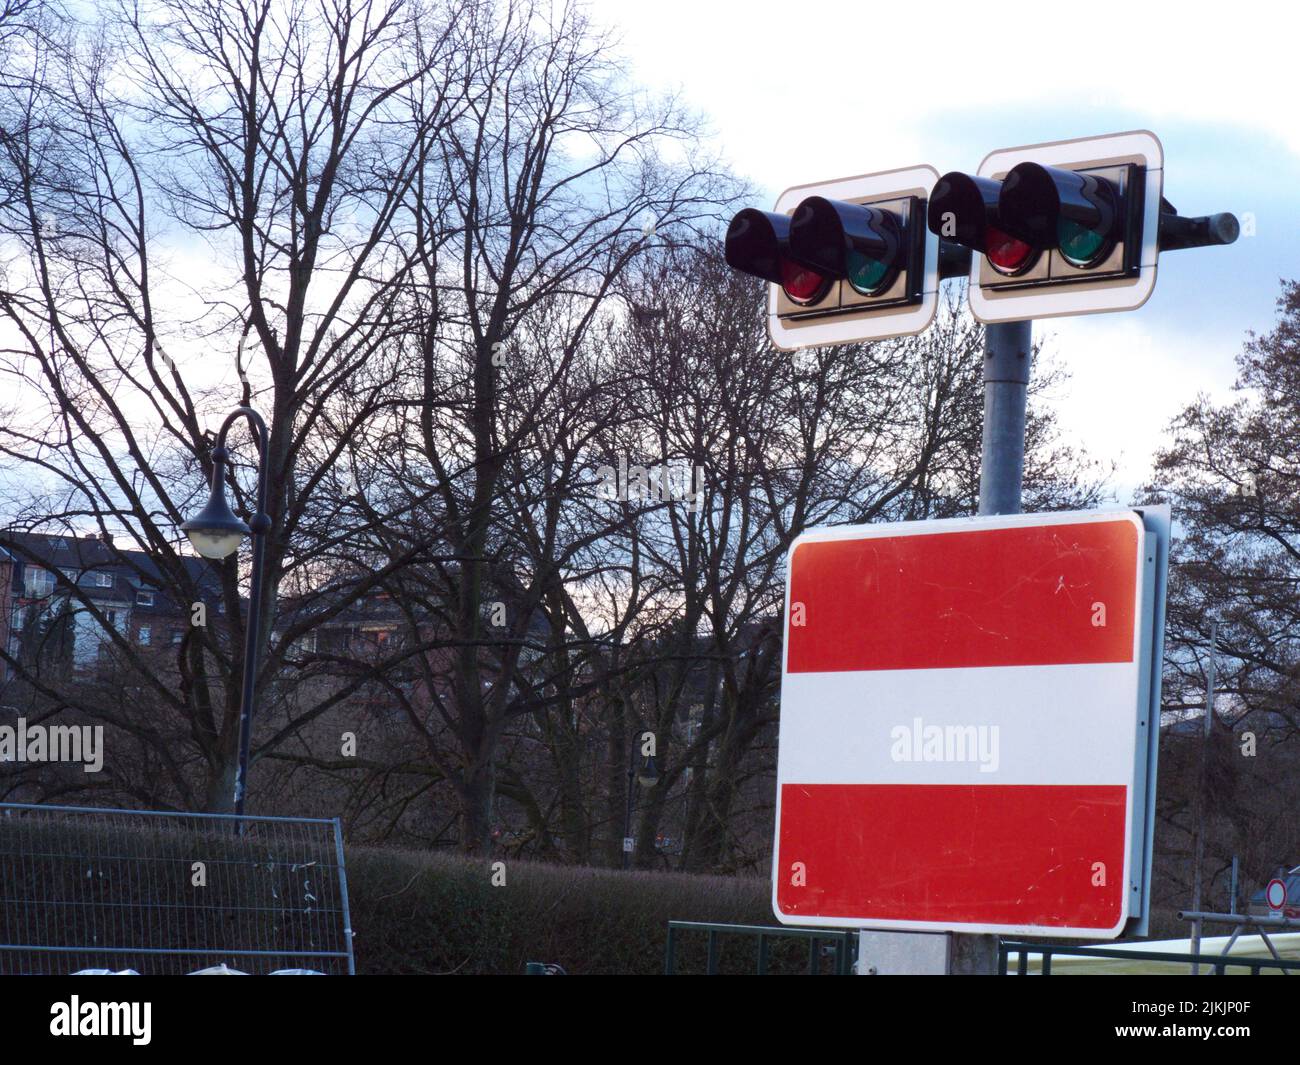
(161, 892)
(823, 944)
(1148, 960)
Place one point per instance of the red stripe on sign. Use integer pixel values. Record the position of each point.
(1026, 596)
(902, 852)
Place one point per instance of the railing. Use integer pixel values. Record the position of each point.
(1220, 963)
(162, 891)
(841, 946)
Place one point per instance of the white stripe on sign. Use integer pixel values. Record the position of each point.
(1066, 724)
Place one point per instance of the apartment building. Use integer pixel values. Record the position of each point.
(125, 587)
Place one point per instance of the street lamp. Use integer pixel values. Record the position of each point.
(647, 775)
(216, 533)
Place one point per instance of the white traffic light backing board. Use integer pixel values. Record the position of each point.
(866, 323)
(1139, 147)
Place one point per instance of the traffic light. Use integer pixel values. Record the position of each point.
(877, 248)
(846, 261)
(1090, 218)
(965, 209)
(1064, 228)
(758, 243)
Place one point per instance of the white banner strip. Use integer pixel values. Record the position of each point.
(1071, 724)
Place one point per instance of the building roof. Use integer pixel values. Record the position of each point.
(132, 571)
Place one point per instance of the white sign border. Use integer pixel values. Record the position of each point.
(1143, 622)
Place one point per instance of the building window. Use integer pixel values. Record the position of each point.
(177, 636)
(145, 635)
(39, 582)
(103, 580)
(144, 598)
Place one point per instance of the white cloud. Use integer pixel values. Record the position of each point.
(789, 85)
(1127, 383)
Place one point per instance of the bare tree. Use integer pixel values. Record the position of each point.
(1232, 474)
(560, 179)
(465, 271)
(275, 150)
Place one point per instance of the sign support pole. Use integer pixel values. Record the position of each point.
(1008, 351)
(1007, 354)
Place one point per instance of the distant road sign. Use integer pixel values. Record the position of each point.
(1275, 894)
(964, 734)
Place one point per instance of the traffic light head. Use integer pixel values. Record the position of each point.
(1077, 211)
(860, 244)
(847, 260)
(1063, 228)
(758, 243)
(964, 209)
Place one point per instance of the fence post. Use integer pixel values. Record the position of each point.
(343, 896)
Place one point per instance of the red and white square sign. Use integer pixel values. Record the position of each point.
(964, 736)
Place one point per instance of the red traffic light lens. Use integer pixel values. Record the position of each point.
(1008, 255)
(801, 284)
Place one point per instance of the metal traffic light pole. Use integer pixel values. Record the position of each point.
(1008, 351)
(1007, 354)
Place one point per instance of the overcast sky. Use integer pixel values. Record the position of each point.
(819, 89)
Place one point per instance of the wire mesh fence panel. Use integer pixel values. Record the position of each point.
(161, 892)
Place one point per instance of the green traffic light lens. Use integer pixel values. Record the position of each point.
(1080, 246)
(866, 275)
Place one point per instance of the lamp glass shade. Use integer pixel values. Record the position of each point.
(212, 544)
(648, 774)
(215, 531)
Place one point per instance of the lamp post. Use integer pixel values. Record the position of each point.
(647, 776)
(216, 533)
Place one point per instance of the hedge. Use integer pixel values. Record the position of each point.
(416, 912)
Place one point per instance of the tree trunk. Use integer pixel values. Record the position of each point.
(476, 809)
(220, 798)
(616, 781)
